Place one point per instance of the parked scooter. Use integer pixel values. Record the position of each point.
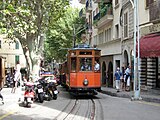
(29, 94)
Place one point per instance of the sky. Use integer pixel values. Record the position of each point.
(75, 3)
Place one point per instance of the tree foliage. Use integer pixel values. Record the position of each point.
(60, 34)
(27, 20)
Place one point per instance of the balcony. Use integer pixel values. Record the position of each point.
(82, 13)
(82, 1)
(154, 11)
(103, 17)
(95, 20)
(88, 6)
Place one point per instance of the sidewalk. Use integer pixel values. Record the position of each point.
(10, 99)
(148, 96)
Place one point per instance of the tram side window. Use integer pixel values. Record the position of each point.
(73, 64)
(97, 65)
(85, 64)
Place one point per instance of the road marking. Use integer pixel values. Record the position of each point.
(7, 114)
(149, 103)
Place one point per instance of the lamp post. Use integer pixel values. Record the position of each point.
(136, 56)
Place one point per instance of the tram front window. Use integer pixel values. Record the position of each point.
(85, 64)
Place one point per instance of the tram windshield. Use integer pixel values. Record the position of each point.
(85, 64)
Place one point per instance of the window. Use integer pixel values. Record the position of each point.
(148, 2)
(17, 45)
(126, 25)
(106, 34)
(116, 2)
(117, 31)
(109, 34)
(85, 64)
(16, 58)
(97, 64)
(85, 53)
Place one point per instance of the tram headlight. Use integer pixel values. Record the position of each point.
(85, 82)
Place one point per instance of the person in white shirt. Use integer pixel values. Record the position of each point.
(17, 77)
(97, 66)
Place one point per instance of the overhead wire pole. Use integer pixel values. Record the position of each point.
(136, 56)
(74, 34)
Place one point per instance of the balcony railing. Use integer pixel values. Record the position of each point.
(82, 1)
(88, 6)
(82, 13)
(154, 11)
(95, 20)
(104, 16)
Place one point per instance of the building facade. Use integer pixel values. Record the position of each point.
(112, 29)
(12, 52)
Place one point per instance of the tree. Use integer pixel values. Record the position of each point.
(60, 35)
(27, 20)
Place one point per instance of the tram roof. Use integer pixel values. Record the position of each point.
(83, 46)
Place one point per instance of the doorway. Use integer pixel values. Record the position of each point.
(110, 74)
(104, 74)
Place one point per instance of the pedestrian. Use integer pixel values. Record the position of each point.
(123, 79)
(118, 75)
(127, 78)
(17, 77)
(1, 96)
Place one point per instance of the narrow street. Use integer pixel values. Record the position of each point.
(67, 107)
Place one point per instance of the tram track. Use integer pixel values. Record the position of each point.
(77, 109)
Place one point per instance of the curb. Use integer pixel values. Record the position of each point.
(144, 98)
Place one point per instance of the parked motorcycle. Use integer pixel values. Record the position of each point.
(39, 91)
(29, 94)
(9, 81)
(51, 91)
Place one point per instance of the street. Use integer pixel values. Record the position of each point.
(67, 107)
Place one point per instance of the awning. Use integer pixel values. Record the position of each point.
(150, 45)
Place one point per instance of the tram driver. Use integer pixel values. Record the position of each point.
(85, 66)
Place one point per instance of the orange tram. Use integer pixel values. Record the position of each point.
(78, 74)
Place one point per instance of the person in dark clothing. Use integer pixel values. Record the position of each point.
(1, 96)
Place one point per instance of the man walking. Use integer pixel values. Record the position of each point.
(118, 76)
